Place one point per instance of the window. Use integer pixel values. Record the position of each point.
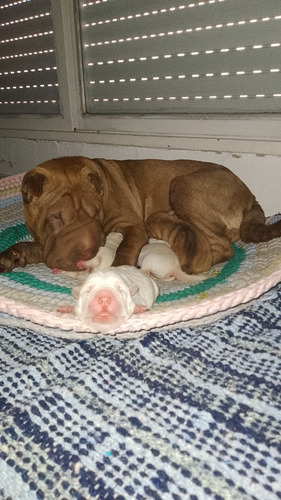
(162, 73)
(29, 80)
(170, 56)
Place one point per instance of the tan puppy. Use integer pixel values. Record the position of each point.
(158, 260)
(72, 203)
(110, 297)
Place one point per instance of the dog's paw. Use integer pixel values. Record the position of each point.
(9, 259)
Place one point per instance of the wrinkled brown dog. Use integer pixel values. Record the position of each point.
(72, 203)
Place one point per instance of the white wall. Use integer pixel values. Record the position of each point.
(261, 173)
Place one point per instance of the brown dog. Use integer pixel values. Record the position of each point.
(72, 203)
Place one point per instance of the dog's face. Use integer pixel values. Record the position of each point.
(104, 299)
(63, 211)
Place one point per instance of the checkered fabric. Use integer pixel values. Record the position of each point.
(183, 413)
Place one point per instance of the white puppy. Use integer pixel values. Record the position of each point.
(109, 297)
(157, 259)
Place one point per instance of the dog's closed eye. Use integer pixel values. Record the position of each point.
(55, 222)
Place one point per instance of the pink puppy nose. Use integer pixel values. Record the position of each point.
(104, 300)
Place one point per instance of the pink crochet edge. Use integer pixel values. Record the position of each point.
(11, 181)
(148, 321)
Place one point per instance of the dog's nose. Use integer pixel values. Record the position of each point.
(86, 255)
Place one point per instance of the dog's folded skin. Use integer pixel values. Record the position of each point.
(72, 203)
(110, 297)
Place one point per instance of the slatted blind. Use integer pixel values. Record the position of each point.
(171, 56)
(28, 72)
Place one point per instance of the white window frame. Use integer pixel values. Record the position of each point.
(241, 133)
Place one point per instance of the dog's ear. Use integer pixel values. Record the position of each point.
(94, 178)
(32, 186)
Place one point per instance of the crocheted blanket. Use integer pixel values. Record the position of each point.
(183, 412)
(34, 293)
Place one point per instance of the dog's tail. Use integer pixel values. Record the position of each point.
(253, 228)
(191, 279)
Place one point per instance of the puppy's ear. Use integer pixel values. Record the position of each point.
(32, 186)
(75, 291)
(133, 289)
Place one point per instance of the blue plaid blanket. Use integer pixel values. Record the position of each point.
(183, 413)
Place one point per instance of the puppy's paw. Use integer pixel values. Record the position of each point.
(139, 308)
(102, 260)
(65, 309)
(93, 264)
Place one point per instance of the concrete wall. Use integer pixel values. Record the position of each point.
(261, 173)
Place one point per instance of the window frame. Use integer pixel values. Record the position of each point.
(244, 133)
